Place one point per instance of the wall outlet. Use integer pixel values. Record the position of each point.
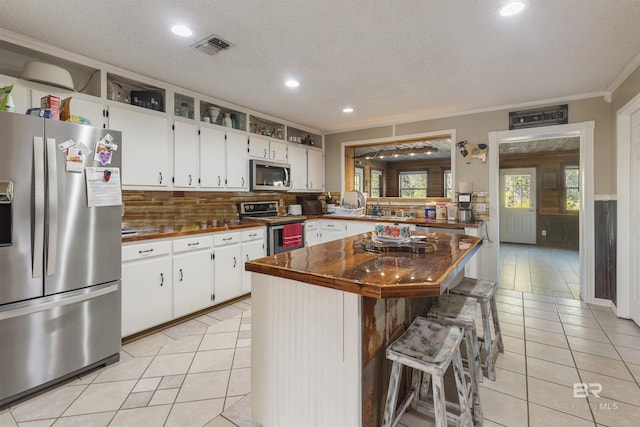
(544, 233)
(481, 207)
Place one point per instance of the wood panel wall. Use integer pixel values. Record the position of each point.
(183, 208)
(562, 227)
(390, 170)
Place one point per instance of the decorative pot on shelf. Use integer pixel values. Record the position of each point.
(227, 120)
(214, 112)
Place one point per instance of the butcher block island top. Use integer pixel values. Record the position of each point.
(345, 265)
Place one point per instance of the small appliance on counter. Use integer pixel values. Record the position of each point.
(464, 203)
(310, 205)
(295, 210)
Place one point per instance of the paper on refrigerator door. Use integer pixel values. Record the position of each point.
(103, 187)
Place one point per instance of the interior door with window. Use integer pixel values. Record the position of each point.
(518, 205)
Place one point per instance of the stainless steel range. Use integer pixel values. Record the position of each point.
(284, 232)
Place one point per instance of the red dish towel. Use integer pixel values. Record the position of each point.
(292, 235)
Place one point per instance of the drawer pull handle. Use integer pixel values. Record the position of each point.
(181, 275)
(227, 239)
(146, 251)
(193, 244)
(161, 279)
(253, 235)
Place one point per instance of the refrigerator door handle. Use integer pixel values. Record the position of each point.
(30, 307)
(38, 227)
(53, 206)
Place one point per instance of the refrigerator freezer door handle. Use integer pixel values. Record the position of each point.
(38, 229)
(30, 307)
(53, 207)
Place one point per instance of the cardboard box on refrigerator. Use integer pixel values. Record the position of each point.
(51, 102)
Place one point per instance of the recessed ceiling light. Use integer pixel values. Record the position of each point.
(513, 7)
(292, 83)
(347, 110)
(182, 31)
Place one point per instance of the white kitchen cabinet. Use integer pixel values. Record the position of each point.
(278, 151)
(213, 160)
(253, 247)
(237, 161)
(192, 275)
(145, 142)
(146, 286)
(185, 155)
(312, 233)
(331, 230)
(228, 266)
(298, 162)
(80, 105)
(268, 149)
(259, 147)
(315, 170)
(358, 227)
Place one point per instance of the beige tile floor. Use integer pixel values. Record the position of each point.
(540, 270)
(189, 374)
(552, 343)
(186, 375)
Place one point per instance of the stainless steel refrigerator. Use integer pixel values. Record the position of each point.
(60, 260)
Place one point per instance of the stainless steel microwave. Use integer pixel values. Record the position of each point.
(271, 176)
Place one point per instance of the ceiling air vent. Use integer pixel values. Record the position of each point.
(212, 45)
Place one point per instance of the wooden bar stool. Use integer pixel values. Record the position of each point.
(485, 292)
(429, 347)
(460, 311)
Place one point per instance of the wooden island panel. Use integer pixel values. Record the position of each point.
(323, 317)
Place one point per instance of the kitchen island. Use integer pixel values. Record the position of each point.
(323, 316)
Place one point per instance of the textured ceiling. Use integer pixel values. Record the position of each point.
(392, 60)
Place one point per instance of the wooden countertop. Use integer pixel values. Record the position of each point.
(167, 231)
(443, 223)
(344, 266)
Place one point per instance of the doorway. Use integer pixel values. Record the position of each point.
(628, 233)
(584, 131)
(518, 206)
